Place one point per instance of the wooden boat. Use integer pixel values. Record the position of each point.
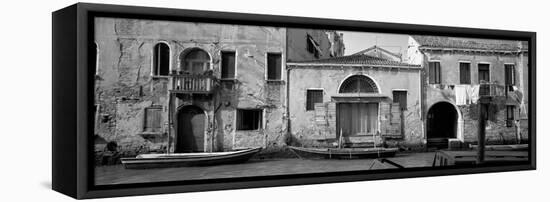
(144, 161)
(344, 153)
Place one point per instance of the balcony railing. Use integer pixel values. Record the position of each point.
(491, 90)
(183, 83)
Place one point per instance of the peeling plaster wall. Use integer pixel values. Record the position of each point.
(303, 124)
(124, 84)
(496, 130)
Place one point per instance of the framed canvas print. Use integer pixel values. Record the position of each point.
(154, 100)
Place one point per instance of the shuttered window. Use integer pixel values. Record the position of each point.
(228, 65)
(509, 76)
(274, 66)
(312, 97)
(400, 96)
(465, 73)
(483, 73)
(152, 122)
(161, 59)
(434, 72)
(249, 119)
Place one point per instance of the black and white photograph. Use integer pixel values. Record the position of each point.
(183, 100)
(275, 101)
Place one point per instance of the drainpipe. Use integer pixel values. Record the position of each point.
(288, 129)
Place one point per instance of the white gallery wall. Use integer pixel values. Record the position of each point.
(25, 174)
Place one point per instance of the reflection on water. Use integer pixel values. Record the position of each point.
(255, 167)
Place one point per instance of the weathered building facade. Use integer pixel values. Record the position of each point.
(194, 87)
(366, 100)
(453, 70)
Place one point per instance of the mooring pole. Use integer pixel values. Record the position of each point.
(481, 133)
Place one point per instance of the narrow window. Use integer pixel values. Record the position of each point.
(434, 72)
(483, 73)
(509, 115)
(509, 76)
(152, 122)
(228, 65)
(465, 73)
(161, 59)
(400, 96)
(274, 66)
(249, 119)
(312, 97)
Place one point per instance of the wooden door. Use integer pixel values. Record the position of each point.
(190, 130)
(357, 118)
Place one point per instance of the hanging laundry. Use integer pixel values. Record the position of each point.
(473, 93)
(460, 95)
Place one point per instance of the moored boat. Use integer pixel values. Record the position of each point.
(344, 153)
(144, 161)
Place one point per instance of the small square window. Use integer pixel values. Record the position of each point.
(312, 97)
(249, 119)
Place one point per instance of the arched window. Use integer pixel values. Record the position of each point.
(161, 59)
(195, 61)
(358, 84)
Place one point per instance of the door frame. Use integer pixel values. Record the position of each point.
(179, 109)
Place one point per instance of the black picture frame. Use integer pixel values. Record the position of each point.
(73, 99)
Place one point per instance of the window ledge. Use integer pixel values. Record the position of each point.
(160, 77)
(275, 81)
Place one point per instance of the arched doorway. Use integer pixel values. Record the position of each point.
(441, 124)
(190, 129)
(356, 118)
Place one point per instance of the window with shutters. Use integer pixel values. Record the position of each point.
(228, 65)
(312, 97)
(274, 66)
(510, 115)
(152, 119)
(249, 119)
(434, 71)
(509, 75)
(464, 73)
(400, 96)
(161, 59)
(483, 73)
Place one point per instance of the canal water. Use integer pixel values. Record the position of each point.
(117, 174)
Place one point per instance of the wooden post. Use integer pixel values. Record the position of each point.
(481, 132)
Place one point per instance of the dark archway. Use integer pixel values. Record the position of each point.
(190, 129)
(441, 124)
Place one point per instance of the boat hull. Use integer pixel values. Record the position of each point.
(344, 153)
(190, 159)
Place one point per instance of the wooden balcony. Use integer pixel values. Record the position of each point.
(192, 84)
